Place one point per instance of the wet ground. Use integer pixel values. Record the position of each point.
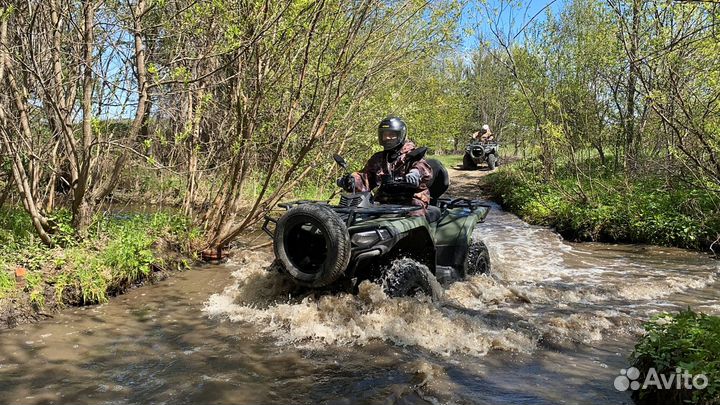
(552, 323)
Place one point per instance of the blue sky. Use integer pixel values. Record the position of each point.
(520, 13)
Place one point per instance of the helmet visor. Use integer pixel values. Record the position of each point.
(389, 137)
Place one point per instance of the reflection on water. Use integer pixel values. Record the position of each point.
(552, 323)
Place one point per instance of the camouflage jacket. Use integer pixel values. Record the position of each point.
(378, 165)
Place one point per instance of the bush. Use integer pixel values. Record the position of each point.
(687, 340)
(7, 280)
(644, 210)
(119, 251)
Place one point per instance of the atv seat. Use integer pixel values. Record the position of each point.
(439, 182)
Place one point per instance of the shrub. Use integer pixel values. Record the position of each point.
(118, 251)
(7, 280)
(36, 288)
(129, 256)
(687, 340)
(644, 210)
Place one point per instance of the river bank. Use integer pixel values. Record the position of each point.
(648, 209)
(122, 251)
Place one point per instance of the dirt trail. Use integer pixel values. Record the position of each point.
(468, 183)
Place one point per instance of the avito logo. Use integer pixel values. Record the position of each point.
(629, 379)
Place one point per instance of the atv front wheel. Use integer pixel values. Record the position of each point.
(468, 162)
(478, 258)
(492, 161)
(313, 245)
(407, 278)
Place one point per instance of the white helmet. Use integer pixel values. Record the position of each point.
(485, 128)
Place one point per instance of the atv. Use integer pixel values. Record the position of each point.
(324, 246)
(478, 152)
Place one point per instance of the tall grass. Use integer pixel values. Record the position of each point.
(119, 251)
(609, 207)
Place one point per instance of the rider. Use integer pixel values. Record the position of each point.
(484, 134)
(393, 160)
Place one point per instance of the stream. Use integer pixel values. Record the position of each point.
(552, 323)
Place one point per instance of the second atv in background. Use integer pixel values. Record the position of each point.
(478, 152)
(483, 148)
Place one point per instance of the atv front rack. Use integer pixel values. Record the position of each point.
(353, 213)
(290, 204)
(450, 203)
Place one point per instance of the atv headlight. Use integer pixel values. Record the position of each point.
(384, 234)
(368, 238)
(364, 239)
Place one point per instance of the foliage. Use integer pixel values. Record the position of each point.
(686, 340)
(15, 227)
(86, 272)
(614, 106)
(129, 253)
(36, 288)
(651, 209)
(249, 100)
(7, 280)
(120, 250)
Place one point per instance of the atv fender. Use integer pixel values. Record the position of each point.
(410, 237)
(453, 237)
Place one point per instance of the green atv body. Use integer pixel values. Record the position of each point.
(329, 246)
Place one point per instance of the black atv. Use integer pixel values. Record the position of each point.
(478, 152)
(323, 246)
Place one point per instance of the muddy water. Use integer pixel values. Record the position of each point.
(552, 323)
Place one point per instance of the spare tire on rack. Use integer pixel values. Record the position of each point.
(313, 245)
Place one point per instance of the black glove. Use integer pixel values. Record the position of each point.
(413, 177)
(346, 182)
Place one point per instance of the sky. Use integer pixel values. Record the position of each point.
(475, 17)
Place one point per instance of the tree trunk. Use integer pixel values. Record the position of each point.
(20, 176)
(631, 150)
(108, 185)
(83, 209)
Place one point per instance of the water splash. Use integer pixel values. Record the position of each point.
(259, 297)
(541, 289)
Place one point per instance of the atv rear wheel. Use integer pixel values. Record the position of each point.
(407, 278)
(313, 245)
(478, 258)
(468, 162)
(492, 161)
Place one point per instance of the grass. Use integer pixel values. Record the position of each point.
(448, 160)
(36, 288)
(7, 280)
(609, 207)
(119, 251)
(686, 340)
